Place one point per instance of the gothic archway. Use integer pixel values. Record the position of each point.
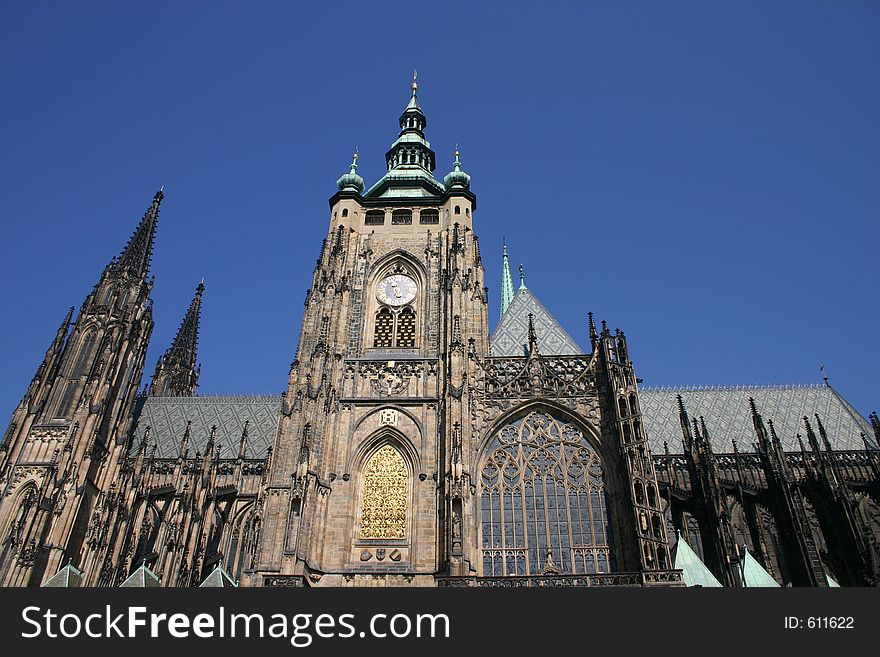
(542, 500)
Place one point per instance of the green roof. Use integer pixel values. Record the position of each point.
(143, 577)
(693, 570)
(64, 578)
(218, 578)
(753, 574)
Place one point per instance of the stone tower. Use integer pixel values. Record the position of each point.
(67, 438)
(358, 483)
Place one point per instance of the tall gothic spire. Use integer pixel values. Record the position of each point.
(411, 150)
(176, 373)
(506, 282)
(135, 257)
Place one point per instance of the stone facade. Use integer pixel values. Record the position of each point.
(405, 451)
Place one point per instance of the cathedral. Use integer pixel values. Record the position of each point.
(412, 447)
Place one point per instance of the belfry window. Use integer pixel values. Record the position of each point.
(386, 486)
(395, 328)
(384, 332)
(374, 218)
(401, 217)
(542, 501)
(429, 217)
(406, 328)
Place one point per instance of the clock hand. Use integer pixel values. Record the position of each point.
(396, 289)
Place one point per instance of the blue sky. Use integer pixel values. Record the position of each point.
(703, 175)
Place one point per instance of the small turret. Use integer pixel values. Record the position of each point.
(457, 177)
(351, 181)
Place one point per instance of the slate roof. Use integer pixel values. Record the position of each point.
(511, 336)
(726, 410)
(167, 417)
(693, 571)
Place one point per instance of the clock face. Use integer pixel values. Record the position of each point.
(396, 290)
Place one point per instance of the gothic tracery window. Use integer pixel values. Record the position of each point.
(386, 486)
(542, 490)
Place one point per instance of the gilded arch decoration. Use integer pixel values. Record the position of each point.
(542, 500)
(385, 495)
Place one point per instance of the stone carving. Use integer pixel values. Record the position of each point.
(46, 433)
(388, 417)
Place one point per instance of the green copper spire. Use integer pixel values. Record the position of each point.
(414, 99)
(410, 160)
(506, 282)
(522, 277)
(351, 181)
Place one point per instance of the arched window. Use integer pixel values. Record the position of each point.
(386, 488)
(383, 335)
(66, 400)
(406, 328)
(85, 353)
(457, 209)
(344, 212)
(542, 490)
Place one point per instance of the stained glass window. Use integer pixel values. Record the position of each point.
(386, 483)
(542, 490)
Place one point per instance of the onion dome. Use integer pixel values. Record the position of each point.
(351, 182)
(457, 177)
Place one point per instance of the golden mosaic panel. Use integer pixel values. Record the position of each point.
(386, 483)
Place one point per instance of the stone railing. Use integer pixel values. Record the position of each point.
(650, 578)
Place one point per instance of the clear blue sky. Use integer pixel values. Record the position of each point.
(703, 175)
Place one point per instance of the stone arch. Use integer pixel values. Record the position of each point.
(146, 532)
(380, 437)
(590, 431)
(20, 509)
(239, 545)
(384, 472)
(404, 414)
(384, 328)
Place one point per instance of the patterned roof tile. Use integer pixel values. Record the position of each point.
(167, 418)
(726, 411)
(511, 336)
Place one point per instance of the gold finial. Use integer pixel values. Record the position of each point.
(415, 85)
(457, 154)
(355, 156)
